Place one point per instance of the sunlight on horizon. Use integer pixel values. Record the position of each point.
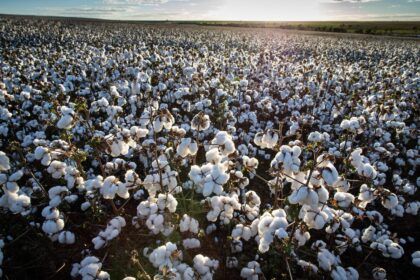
(268, 10)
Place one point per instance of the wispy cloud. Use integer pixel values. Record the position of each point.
(135, 2)
(352, 1)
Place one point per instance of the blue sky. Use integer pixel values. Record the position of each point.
(219, 9)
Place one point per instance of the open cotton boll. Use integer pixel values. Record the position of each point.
(188, 223)
(388, 248)
(200, 122)
(326, 260)
(4, 162)
(205, 266)
(270, 139)
(307, 266)
(389, 200)
(187, 147)
(66, 119)
(167, 201)
(314, 218)
(165, 255)
(65, 122)
(287, 159)
(344, 199)
(304, 195)
(223, 142)
(191, 243)
(111, 186)
(252, 271)
(57, 169)
(301, 237)
(340, 273)
(315, 137)
(42, 153)
(414, 256)
(214, 181)
(112, 230)
(329, 174)
(270, 225)
(53, 222)
(241, 231)
(56, 195)
(66, 237)
(250, 163)
(90, 269)
(223, 207)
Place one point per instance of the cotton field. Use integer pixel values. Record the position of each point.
(135, 151)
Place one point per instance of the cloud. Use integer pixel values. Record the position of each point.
(91, 10)
(352, 1)
(135, 2)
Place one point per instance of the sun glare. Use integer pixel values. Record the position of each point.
(268, 10)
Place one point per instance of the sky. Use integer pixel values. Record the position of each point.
(266, 10)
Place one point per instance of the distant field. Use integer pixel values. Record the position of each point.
(387, 28)
(397, 28)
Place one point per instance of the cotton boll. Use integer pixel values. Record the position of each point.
(343, 199)
(85, 205)
(412, 207)
(55, 195)
(415, 258)
(326, 260)
(57, 169)
(66, 119)
(389, 201)
(187, 147)
(223, 142)
(65, 122)
(4, 162)
(307, 266)
(112, 230)
(165, 255)
(329, 174)
(191, 243)
(167, 201)
(66, 237)
(251, 271)
(188, 223)
(287, 159)
(301, 237)
(241, 231)
(90, 269)
(200, 122)
(205, 266)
